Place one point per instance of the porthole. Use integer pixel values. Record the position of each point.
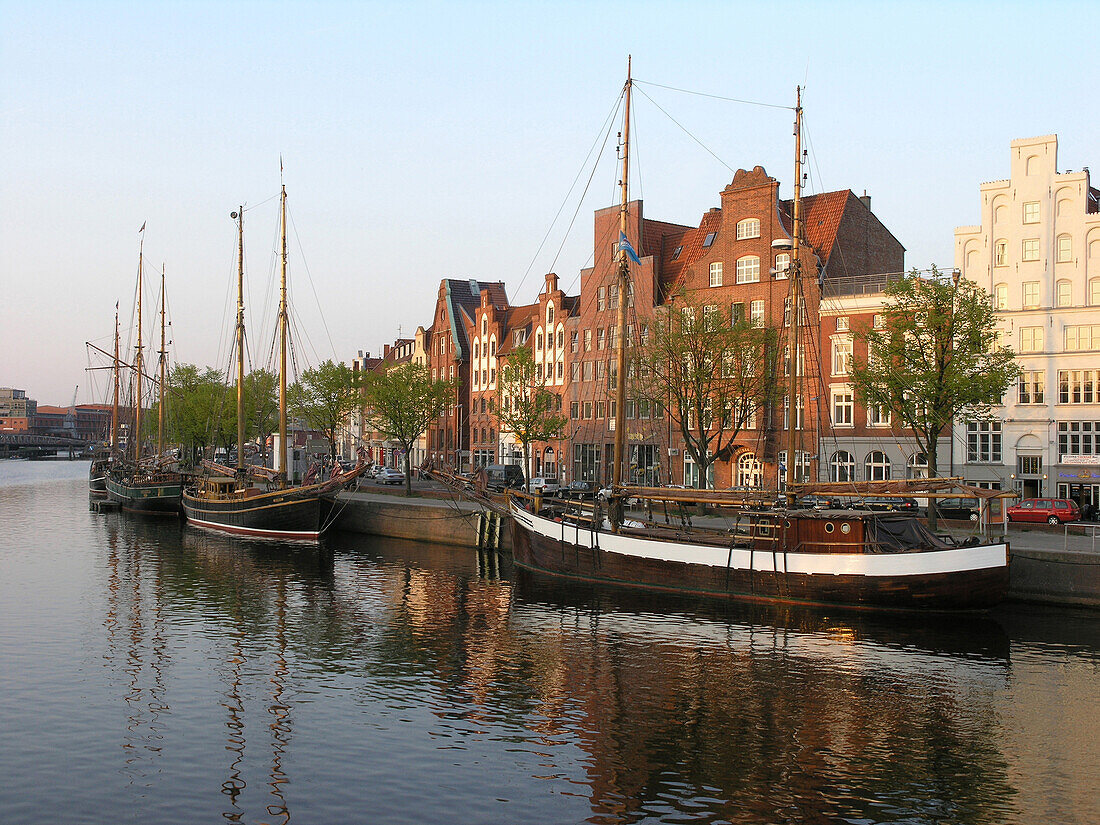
(846, 528)
(787, 524)
(829, 527)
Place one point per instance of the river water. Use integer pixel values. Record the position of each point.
(150, 672)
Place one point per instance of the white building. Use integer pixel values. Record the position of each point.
(1037, 251)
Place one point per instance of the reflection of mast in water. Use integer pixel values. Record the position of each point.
(235, 741)
(280, 712)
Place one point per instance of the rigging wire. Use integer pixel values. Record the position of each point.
(716, 97)
(687, 131)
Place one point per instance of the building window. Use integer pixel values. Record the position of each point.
(1000, 253)
(716, 273)
(538, 341)
(756, 313)
(1078, 438)
(574, 408)
(843, 408)
(750, 472)
(842, 323)
(799, 412)
(676, 252)
(550, 315)
(561, 339)
(601, 338)
(575, 370)
(601, 299)
(574, 342)
(1094, 292)
(1065, 249)
(613, 297)
(1031, 212)
(1063, 291)
(1082, 337)
(1078, 386)
(782, 265)
(748, 269)
(1030, 387)
(878, 321)
(842, 355)
(1031, 339)
(477, 350)
(709, 239)
(1030, 294)
(1030, 249)
(917, 466)
(484, 325)
(842, 466)
(1000, 296)
(710, 317)
(588, 340)
(878, 416)
(983, 442)
(748, 228)
(1029, 465)
(587, 370)
(560, 371)
(737, 313)
(877, 466)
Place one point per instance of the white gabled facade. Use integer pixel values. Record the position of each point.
(1037, 251)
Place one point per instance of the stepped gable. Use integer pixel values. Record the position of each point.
(465, 296)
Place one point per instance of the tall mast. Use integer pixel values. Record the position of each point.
(624, 289)
(163, 358)
(114, 406)
(240, 340)
(796, 301)
(281, 465)
(139, 367)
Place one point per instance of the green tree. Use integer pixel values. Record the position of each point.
(935, 357)
(261, 406)
(711, 370)
(198, 410)
(525, 407)
(401, 402)
(325, 397)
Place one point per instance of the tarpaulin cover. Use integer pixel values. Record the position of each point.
(894, 534)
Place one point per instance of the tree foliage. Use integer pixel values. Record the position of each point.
(325, 397)
(712, 371)
(261, 406)
(524, 406)
(935, 357)
(401, 402)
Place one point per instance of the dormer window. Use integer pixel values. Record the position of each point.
(709, 239)
(676, 252)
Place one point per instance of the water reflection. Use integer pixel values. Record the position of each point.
(295, 679)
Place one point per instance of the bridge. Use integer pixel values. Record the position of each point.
(26, 445)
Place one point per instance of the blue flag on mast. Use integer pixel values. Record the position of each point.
(624, 244)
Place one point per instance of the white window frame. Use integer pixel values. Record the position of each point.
(756, 313)
(1031, 212)
(748, 228)
(748, 269)
(1029, 249)
(716, 273)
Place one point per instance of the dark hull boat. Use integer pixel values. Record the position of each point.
(153, 494)
(841, 558)
(97, 477)
(294, 513)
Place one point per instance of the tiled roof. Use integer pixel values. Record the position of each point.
(466, 296)
(516, 318)
(692, 242)
(821, 215)
(47, 409)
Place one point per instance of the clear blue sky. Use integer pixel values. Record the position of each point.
(431, 140)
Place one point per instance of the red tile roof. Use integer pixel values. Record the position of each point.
(821, 215)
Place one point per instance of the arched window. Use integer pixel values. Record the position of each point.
(538, 340)
(549, 315)
(1063, 291)
(748, 228)
(477, 349)
(1000, 253)
(877, 466)
(561, 338)
(750, 472)
(917, 466)
(842, 467)
(748, 269)
(782, 265)
(1065, 249)
(484, 325)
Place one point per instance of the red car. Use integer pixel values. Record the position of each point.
(1050, 510)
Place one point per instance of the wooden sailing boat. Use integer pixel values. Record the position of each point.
(101, 462)
(139, 484)
(255, 501)
(849, 558)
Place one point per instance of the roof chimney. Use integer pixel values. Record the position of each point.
(865, 199)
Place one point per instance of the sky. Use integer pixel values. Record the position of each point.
(423, 141)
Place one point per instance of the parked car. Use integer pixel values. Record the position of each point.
(502, 477)
(604, 493)
(388, 475)
(815, 502)
(1050, 510)
(578, 490)
(545, 485)
(888, 504)
(964, 509)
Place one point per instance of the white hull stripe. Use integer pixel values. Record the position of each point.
(253, 531)
(954, 560)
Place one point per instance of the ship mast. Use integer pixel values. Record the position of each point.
(138, 365)
(239, 215)
(793, 439)
(163, 359)
(114, 405)
(280, 466)
(624, 291)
